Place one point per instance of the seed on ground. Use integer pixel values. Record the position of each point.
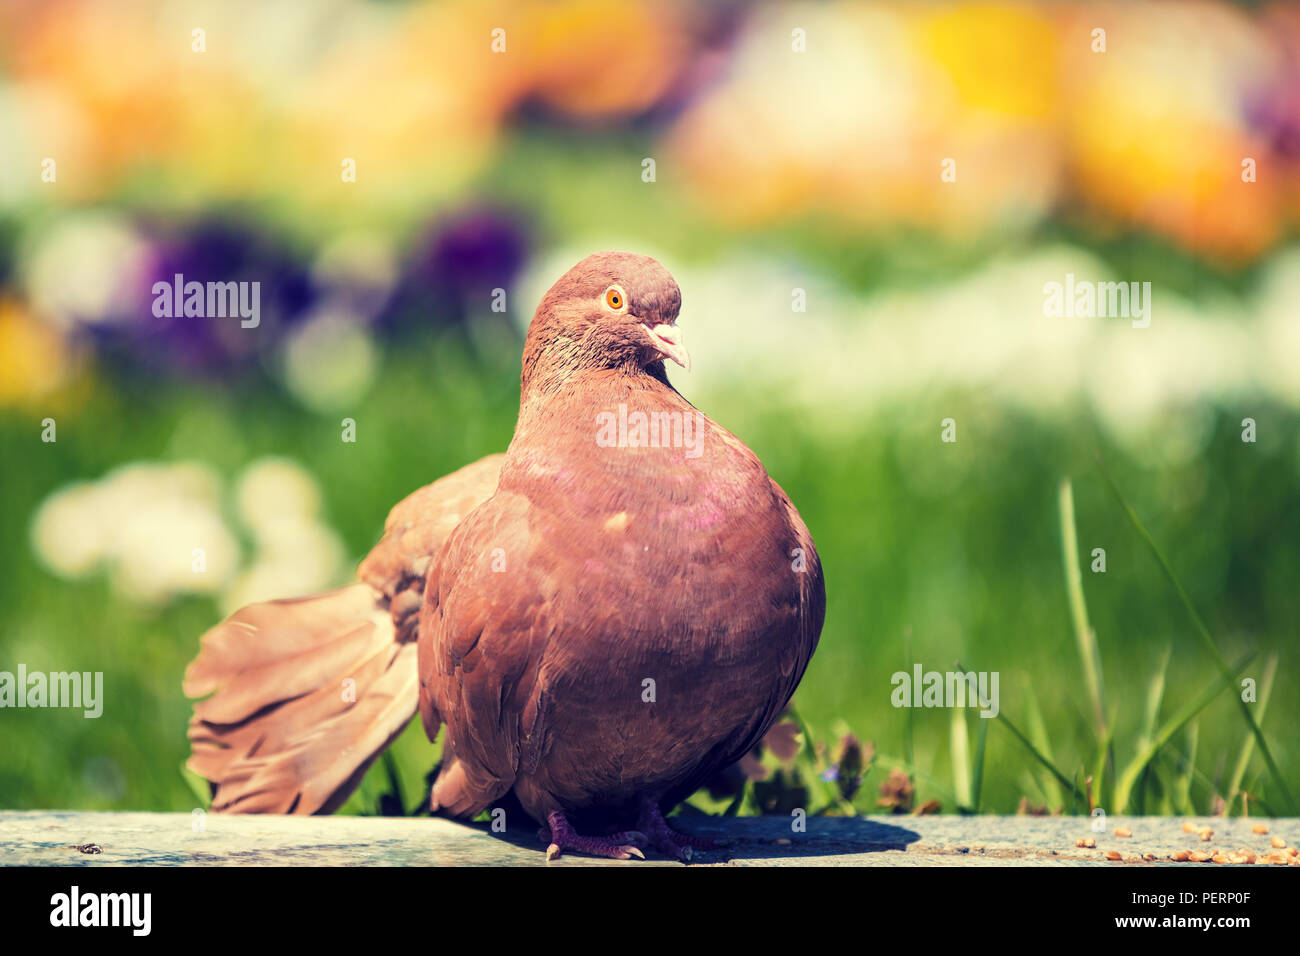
(1123, 832)
(1205, 833)
(1114, 855)
(1181, 856)
(1278, 842)
(1086, 842)
(1259, 828)
(1189, 827)
(1198, 856)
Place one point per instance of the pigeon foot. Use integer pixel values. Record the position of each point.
(664, 838)
(562, 836)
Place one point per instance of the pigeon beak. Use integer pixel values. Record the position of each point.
(668, 340)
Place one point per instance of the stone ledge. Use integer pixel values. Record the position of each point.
(43, 838)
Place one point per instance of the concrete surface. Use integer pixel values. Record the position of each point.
(41, 838)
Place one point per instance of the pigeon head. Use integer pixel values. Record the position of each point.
(611, 310)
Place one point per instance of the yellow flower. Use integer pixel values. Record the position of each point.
(999, 57)
(34, 358)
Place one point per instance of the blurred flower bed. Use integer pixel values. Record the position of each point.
(226, 162)
(796, 147)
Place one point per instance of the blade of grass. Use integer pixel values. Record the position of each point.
(1038, 734)
(1030, 747)
(394, 786)
(1062, 778)
(1203, 632)
(1103, 768)
(961, 760)
(1248, 745)
(1030, 786)
(734, 806)
(1151, 713)
(1151, 795)
(1155, 693)
(908, 719)
(200, 787)
(1103, 772)
(1084, 637)
(981, 739)
(1183, 785)
(1125, 784)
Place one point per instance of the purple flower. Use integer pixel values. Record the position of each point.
(455, 268)
(213, 250)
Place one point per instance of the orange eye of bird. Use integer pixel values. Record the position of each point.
(614, 299)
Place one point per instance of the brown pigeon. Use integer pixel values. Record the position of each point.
(614, 609)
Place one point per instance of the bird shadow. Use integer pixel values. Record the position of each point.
(777, 837)
(765, 838)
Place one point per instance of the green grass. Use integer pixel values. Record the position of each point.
(930, 558)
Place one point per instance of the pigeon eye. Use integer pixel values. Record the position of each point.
(615, 299)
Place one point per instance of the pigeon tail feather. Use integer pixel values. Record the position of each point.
(305, 694)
